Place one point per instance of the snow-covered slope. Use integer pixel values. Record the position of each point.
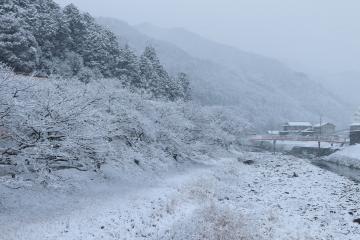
(345, 84)
(223, 200)
(59, 123)
(264, 90)
(348, 156)
(203, 48)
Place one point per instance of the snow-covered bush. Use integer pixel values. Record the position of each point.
(60, 123)
(215, 222)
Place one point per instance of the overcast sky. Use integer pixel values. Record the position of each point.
(315, 36)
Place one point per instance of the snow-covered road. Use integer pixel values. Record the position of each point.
(268, 197)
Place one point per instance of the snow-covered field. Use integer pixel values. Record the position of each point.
(273, 197)
(348, 156)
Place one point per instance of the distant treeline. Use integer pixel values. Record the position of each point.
(40, 37)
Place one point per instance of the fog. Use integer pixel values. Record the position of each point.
(179, 119)
(318, 37)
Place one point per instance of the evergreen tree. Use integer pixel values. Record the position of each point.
(128, 67)
(147, 74)
(38, 36)
(154, 77)
(184, 83)
(18, 47)
(76, 27)
(101, 50)
(174, 90)
(150, 54)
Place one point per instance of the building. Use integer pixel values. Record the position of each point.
(274, 132)
(324, 129)
(298, 128)
(355, 129)
(355, 133)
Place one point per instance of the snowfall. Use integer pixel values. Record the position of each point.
(243, 195)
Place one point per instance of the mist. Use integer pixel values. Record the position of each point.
(319, 38)
(179, 119)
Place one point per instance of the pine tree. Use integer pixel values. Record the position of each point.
(18, 47)
(153, 74)
(44, 19)
(38, 36)
(147, 74)
(174, 90)
(76, 27)
(184, 82)
(150, 53)
(128, 67)
(101, 50)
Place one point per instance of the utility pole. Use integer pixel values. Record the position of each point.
(319, 138)
(274, 146)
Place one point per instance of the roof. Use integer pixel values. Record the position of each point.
(274, 132)
(323, 124)
(309, 130)
(302, 124)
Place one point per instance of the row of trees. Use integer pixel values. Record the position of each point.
(38, 36)
(58, 124)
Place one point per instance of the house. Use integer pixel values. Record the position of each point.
(355, 133)
(324, 129)
(355, 129)
(273, 132)
(298, 128)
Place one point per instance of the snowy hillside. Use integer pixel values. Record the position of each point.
(53, 124)
(264, 90)
(345, 84)
(266, 72)
(117, 132)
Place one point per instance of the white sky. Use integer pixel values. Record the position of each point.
(315, 36)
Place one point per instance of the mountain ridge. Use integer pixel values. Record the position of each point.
(267, 92)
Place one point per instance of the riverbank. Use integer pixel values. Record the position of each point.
(348, 156)
(243, 196)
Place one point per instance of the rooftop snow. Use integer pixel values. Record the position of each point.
(323, 124)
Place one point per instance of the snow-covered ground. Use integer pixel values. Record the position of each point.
(289, 145)
(347, 156)
(243, 196)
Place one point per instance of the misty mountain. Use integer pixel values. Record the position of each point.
(264, 90)
(345, 84)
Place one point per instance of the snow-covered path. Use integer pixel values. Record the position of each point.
(274, 197)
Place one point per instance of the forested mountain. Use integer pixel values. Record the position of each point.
(263, 90)
(297, 89)
(38, 37)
